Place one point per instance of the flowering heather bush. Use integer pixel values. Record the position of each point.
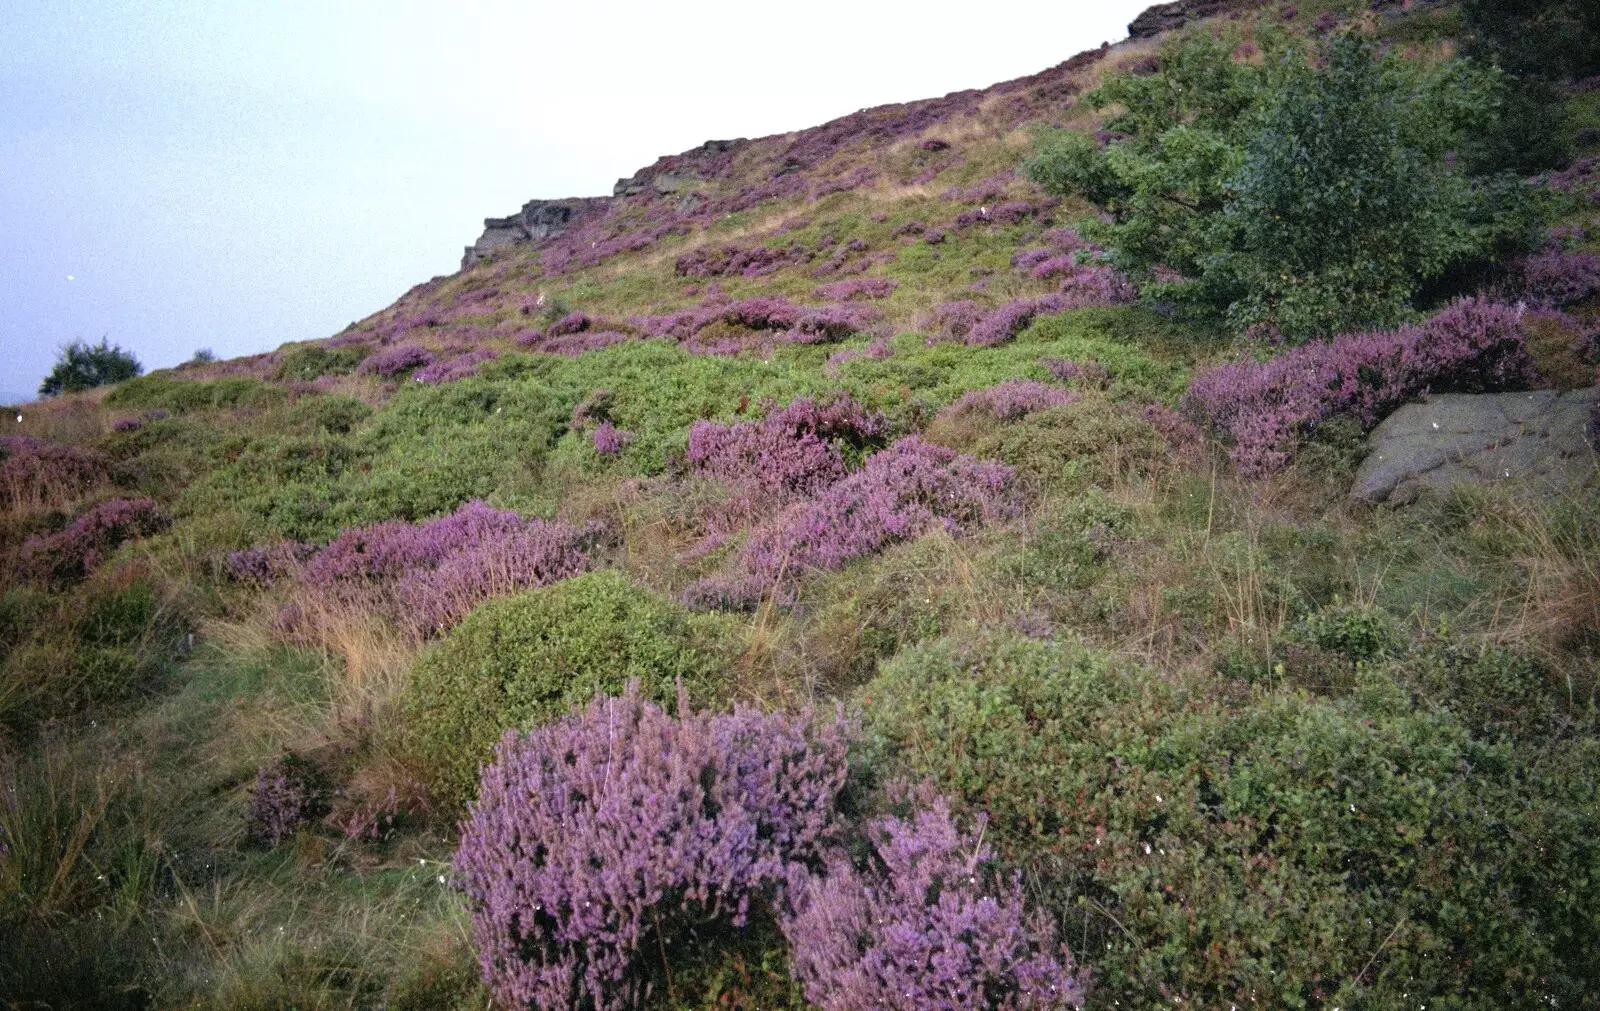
(924, 926)
(1552, 279)
(1013, 211)
(1088, 371)
(35, 473)
(750, 262)
(265, 566)
(790, 453)
(1012, 399)
(431, 574)
(953, 320)
(933, 236)
(857, 288)
(901, 492)
(579, 343)
(391, 361)
(287, 796)
(877, 350)
(983, 191)
(451, 369)
(1027, 259)
(1000, 325)
(1265, 407)
(1092, 284)
(833, 323)
(909, 228)
(609, 440)
(596, 838)
(72, 553)
(571, 323)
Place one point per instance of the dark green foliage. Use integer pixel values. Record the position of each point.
(1300, 851)
(82, 366)
(528, 659)
(1311, 193)
(311, 361)
(1552, 40)
(334, 414)
(182, 395)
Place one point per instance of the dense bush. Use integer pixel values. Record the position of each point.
(1264, 408)
(597, 839)
(392, 361)
(901, 492)
(1293, 850)
(794, 451)
(71, 553)
(429, 575)
(1309, 193)
(313, 361)
(926, 925)
(82, 366)
(161, 392)
(527, 659)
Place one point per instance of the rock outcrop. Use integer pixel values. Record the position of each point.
(1167, 17)
(538, 219)
(1538, 440)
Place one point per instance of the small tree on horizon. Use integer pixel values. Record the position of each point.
(82, 366)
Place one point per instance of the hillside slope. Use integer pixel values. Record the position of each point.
(1136, 705)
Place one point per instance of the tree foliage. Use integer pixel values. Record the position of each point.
(1310, 191)
(82, 366)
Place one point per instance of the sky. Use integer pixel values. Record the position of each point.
(227, 175)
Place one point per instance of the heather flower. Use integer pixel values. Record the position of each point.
(833, 323)
(392, 361)
(747, 262)
(571, 323)
(595, 838)
(451, 369)
(933, 236)
(1000, 325)
(1011, 400)
(954, 320)
(1089, 372)
(35, 473)
(1551, 279)
(429, 575)
(1265, 407)
(74, 552)
(927, 924)
(857, 288)
(288, 795)
(609, 440)
(901, 492)
(790, 453)
(579, 343)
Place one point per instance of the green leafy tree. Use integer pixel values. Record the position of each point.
(1309, 192)
(82, 366)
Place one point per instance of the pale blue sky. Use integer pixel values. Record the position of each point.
(234, 176)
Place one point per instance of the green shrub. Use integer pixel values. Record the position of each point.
(528, 659)
(311, 361)
(82, 366)
(336, 414)
(1276, 847)
(182, 395)
(1310, 192)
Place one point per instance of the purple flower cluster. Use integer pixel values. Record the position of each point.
(1089, 372)
(571, 323)
(857, 288)
(609, 440)
(899, 493)
(596, 837)
(829, 323)
(74, 552)
(451, 369)
(924, 926)
(749, 262)
(432, 574)
(877, 350)
(789, 454)
(1000, 325)
(579, 343)
(284, 799)
(34, 472)
(1551, 279)
(1265, 407)
(1012, 399)
(391, 361)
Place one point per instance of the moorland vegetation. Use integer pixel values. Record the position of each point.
(904, 563)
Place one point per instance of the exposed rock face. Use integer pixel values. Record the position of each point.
(538, 219)
(1166, 17)
(1537, 440)
(676, 173)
